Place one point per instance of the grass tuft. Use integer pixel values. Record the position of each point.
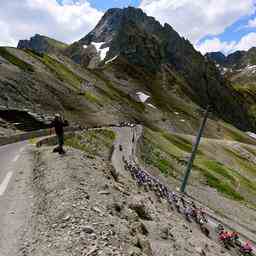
(92, 98)
(63, 73)
(222, 186)
(94, 142)
(167, 151)
(16, 61)
(180, 142)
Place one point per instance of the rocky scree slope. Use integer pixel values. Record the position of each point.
(39, 83)
(44, 84)
(97, 79)
(96, 97)
(82, 208)
(145, 44)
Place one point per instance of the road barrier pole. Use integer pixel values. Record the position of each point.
(194, 151)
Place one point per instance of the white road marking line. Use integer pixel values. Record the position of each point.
(15, 158)
(5, 183)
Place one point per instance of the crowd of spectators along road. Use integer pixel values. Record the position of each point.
(190, 211)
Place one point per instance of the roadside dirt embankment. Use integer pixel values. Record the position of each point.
(85, 207)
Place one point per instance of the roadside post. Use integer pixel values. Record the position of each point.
(194, 151)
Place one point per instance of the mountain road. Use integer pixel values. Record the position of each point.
(15, 170)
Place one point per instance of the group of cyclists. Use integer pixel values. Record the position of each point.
(189, 209)
(231, 239)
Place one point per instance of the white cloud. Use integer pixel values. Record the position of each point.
(21, 19)
(67, 22)
(6, 38)
(247, 42)
(252, 23)
(215, 44)
(196, 19)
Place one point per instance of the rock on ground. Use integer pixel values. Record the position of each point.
(81, 210)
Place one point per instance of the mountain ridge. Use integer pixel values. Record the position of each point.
(163, 63)
(235, 60)
(145, 43)
(42, 44)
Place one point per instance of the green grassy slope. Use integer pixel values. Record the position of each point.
(15, 60)
(219, 163)
(62, 72)
(94, 142)
(56, 44)
(111, 96)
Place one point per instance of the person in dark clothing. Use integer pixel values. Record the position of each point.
(183, 202)
(59, 125)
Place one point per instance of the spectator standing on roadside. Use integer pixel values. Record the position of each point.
(58, 123)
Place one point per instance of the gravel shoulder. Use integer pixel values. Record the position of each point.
(83, 206)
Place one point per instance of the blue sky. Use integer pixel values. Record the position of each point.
(235, 33)
(106, 4)
(103, 5)
(224, 41)
(211, 25)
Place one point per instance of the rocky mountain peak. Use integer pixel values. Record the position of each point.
(42, 44)
(236, 60)
(115, 20)
(143, 43)
(115, 35)
(217, 57)
(129, 33)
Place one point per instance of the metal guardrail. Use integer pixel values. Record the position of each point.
(31, 135)
(43, 133)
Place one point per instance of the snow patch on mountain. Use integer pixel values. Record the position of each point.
(251, 67)
(251, 134)
(85, 46)
(97, 45)
(142, 96)
(102, 52)
(111, 60)
(152, 106)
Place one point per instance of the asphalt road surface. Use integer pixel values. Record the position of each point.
(15, 169)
